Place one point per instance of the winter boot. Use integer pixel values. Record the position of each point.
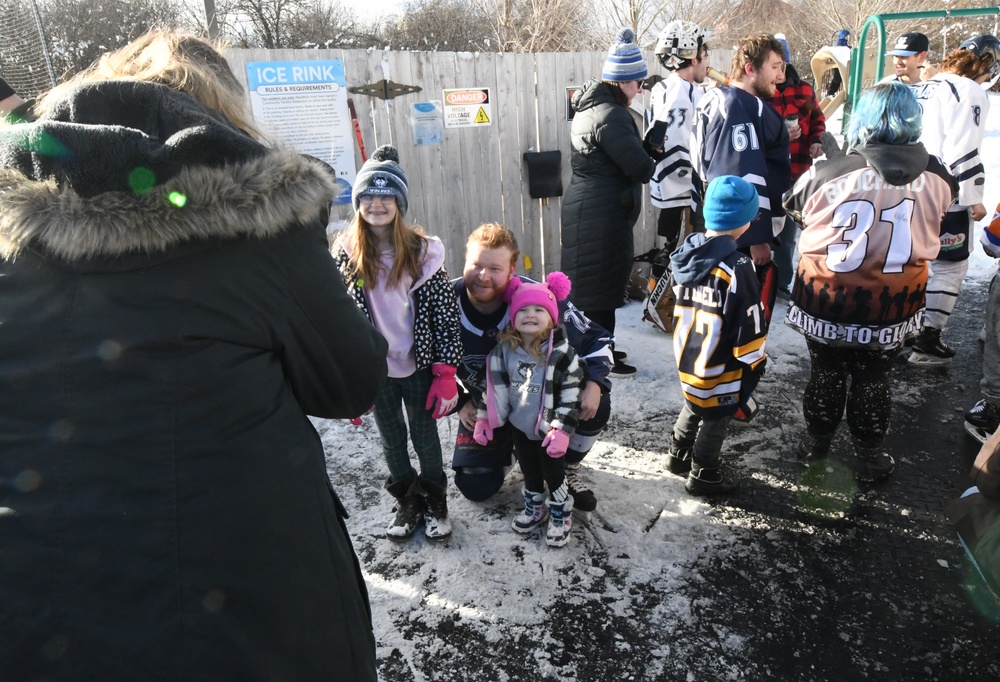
(929, 349)
(678, 458)
(560, 517)
(409, 507)
(872, 465)
(583, 497)
(534, 512)
(703, 481)
(813, 449)
(982, 420)
(435, 509)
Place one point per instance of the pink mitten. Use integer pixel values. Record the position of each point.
(443, 395)
(483, 433)
(357, 421)
(556, 442)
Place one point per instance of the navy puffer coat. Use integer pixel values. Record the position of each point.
(604, 198)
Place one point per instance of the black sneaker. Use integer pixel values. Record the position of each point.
(583, 497)
(622, 370)
(982, 420)
(619, 355)
(703, 482)
(929, 349)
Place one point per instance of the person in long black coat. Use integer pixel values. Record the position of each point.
(604, 197)
(169, 316)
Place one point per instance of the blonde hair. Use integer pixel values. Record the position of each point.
(512, 337)
(409, 242)
(181, 61)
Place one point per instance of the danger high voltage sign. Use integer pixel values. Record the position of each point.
(467, 107)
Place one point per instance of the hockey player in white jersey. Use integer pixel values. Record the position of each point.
(683, 52)
(955, 107)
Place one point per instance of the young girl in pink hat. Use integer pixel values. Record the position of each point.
(533, 381)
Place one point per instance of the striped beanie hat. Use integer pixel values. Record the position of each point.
(624, 62)
(381, 174)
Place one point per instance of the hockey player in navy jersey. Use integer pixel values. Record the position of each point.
(719, 333)
(683, 52)
(955, 107)
(737, 133)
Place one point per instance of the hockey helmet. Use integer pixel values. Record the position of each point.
(985, 45)
(679, 42)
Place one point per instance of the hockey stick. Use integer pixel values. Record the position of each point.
(357, 129)
(768, 288)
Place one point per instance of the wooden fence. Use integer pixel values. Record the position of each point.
(477, 174)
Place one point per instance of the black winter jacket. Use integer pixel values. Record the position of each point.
(603, 200)
(169, 316)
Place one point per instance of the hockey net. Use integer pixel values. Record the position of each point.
(24, 61)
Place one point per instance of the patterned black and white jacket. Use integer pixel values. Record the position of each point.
(560, 403)
(436, 332)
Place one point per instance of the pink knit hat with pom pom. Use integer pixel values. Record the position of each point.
(555, 288)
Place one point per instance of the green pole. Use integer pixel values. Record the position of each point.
(877, 21)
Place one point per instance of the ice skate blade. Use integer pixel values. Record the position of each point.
(977, 433)
(924, 360)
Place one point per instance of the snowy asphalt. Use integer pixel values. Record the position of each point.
(799, 576)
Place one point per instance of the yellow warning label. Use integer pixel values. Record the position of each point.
(481, 117)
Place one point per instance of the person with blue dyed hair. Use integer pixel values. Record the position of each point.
(870, 225)
(885, 115)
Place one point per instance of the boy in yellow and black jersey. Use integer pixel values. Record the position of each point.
(719, 333)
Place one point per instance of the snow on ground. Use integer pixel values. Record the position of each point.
(629, 563)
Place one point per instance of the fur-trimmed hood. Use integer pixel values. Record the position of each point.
(124, 167)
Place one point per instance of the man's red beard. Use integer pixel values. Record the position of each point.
(480, 295)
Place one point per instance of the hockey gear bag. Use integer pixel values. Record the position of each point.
(638, 281)
(659, 306)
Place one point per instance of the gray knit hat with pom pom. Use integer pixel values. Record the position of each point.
(381, 174)
(624, 62)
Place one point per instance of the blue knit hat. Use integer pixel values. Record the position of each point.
(381, 174)
(624, 62)
(730, 202)
(780, 37)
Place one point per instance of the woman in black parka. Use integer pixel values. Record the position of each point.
(605, 194)
(169, 316)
